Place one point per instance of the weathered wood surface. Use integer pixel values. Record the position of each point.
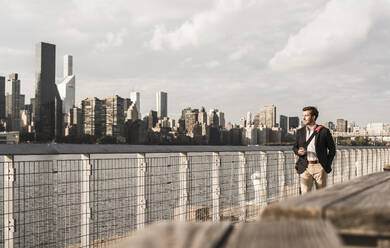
(289, 234)
(361, 206)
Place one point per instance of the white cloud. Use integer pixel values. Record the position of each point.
(6, 51)
(341, 27)
(193, 31)
(112, 40)
(212, 64)
(239, 53)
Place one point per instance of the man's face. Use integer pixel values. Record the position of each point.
(308, 119)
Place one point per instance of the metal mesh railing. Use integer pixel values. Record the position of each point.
(92, 202)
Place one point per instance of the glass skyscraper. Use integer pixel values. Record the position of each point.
(48, 104)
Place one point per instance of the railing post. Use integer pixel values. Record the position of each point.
(216, 190)
(295, 177)
(183, 175)
(374, 161)
(348, 168)
(242, 186)
(86, 172)
(370, 160)
(365, 158)
(282, 176)
(338, 165)
(264, 174)
(388, 155)
(359, 162)
(353, 162)
(378, 160)
(9, 222)
(382, 160)
(141, 194)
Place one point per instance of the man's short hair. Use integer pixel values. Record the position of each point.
(313, 111)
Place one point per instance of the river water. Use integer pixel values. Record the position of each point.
(47, 192)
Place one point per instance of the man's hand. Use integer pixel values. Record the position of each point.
(302, 151)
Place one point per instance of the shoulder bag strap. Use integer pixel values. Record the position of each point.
(317, 130)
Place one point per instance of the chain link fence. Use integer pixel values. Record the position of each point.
(93, 201)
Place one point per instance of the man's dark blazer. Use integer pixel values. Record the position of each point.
(325, 148)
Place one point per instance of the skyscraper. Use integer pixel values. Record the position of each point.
(191, 119)
(67, 87)
(248, 118)
(341, 125)
(48, 104)
(94, 116)
(115, 116)
(268, 116)
(2, 97)
(13, 102)
(283, 123)
(136, 98)
(293, 122)
(162, 104)
(213, 119)
(202, 116)
(221, 118)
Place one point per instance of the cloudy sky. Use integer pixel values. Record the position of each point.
(234, 55)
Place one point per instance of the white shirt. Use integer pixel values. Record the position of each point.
(311, 148)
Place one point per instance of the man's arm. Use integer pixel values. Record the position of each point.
(331, 147)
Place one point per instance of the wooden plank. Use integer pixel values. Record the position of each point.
(365, 213)
(284, 234)
(361, 206)
(179, 235)
(290, 234)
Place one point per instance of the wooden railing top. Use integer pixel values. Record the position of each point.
(53, 149)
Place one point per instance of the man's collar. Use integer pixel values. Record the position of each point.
(309, 129)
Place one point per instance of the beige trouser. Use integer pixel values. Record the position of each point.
(316, 173)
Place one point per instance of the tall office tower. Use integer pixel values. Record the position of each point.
(191, 118)
(75, 117)
(330, 125)
(115, 116)
(248, 118)
(152, 119)
(48, 104)
(221, 118)
(162, 104)
(341, 125)
(183, 112)
(136, 98)
(132, 113)
(256, 120)
(2, 98)
(293, 122)
(94, 116)
(213, 119)
(202, 116)
(268, 116)
(74, 126)
(351, 126)
(126, 105)
(13, 102)
(283, 123)
(67, 87)
(243, 122)
(33, 104)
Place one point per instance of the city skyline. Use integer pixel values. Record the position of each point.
(152, 51)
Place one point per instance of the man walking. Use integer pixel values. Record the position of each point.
(316, 149)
